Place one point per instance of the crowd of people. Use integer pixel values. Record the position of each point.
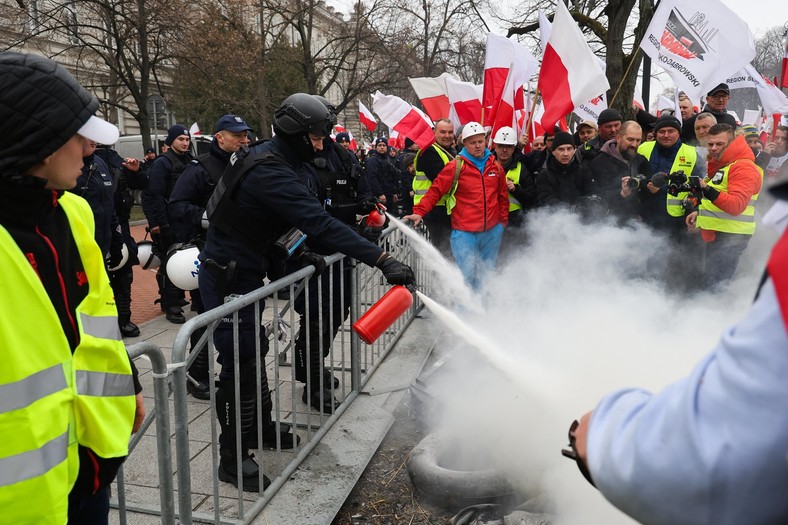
(67, 198)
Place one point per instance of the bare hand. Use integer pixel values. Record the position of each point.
(651, 188)
(626, 191)
(132, 164)
(581, 438)
(155, 229)
(415, 218)
(509, 185)
(769, 147)
(382, 199)
(139, 415)
(692, 221)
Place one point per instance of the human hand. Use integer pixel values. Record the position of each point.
(415, 218)
(769, 147)
(510, 185)
(139, 415)
(131, 164)
(691, 221)
(394, 271)
(382, 199)
(626, 191)
(308, 258)
(578, 445)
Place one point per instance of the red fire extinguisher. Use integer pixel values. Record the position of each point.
(377, 218)
(383, 313)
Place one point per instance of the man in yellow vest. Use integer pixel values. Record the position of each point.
(67, 394)
(668, 154)
(726, 217)
(428, 163)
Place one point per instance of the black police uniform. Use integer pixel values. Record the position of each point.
(332, 178)
(162, 176)
(122, 278)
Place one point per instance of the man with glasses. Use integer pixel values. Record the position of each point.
(716, 104)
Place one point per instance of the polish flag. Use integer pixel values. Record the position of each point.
(570, 73)
(784, 72)
(504, 109)
(432, 93)
(194, 130)
(366, 117)
(395, 139)
(503, 55)
(403, 118)
(465, 102)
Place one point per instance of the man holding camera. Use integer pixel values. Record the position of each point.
(726, 216)
(668, 154)
(611, 170)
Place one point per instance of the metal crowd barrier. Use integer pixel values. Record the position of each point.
(348, 359)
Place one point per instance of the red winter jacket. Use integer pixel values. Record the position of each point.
(482, 200)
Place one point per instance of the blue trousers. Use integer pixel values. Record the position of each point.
(476, 253)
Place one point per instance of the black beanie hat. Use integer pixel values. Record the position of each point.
(562, 138)
(667, 121)
(42, 107)
(174, 132)
(608, 115)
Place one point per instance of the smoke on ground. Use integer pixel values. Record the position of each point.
(574, 312)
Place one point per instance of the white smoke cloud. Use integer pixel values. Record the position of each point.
(576, 312)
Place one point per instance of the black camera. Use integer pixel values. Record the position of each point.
(640, 181)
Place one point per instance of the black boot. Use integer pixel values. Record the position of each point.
(228, 464)
(198, 382)
(316, 366)
(121, 286)
(321, 400)
(272, 439)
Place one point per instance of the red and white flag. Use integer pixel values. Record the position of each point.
(590, 110)
(194, 130)
(699, 44)
(465, 102)
(570, 72)
(503, 55)
(403, 118)
(504, 110)
(784, 71)
(432, 94)
(366, 117)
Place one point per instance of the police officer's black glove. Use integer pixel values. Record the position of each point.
(368, 205)
(394, 271)
(370, 233)
(315, 259)
(115, 257)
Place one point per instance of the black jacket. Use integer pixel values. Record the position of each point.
(606, 171)
(272, 198)
(561, 184)
(524, 191)
(191, 192)
(162, 176)
(96, 185)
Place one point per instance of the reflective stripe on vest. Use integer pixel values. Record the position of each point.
(34, 463)
(50, 398)
(710, 217)
(27, 391)
(685, 160)
(420, 181)
(514, 176)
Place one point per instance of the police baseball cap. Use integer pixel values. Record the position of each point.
(231, 123)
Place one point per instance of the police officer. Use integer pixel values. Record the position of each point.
(258, 199)
(162, 176)
(332, 177)
(128, 176)
(186, 209)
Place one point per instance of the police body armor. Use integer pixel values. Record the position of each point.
(341, 187)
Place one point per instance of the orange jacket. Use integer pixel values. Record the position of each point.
(744, 180)
(482, 199)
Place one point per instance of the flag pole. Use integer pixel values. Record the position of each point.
(629, 67)
(529, 125)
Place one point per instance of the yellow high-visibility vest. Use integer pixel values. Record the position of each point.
(685, 160)
(50, 399)
(420, 181)
(710, 217)
(514, 176)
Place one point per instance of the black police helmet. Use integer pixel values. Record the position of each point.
(301, 113)
(332, 110)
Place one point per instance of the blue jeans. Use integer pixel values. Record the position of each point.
(476, 253)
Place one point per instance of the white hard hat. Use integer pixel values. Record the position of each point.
(471, 129)
(124, 252)
(183, 267)
(505, 136)
(148, 260)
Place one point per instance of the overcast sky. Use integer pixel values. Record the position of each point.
(760, 15)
